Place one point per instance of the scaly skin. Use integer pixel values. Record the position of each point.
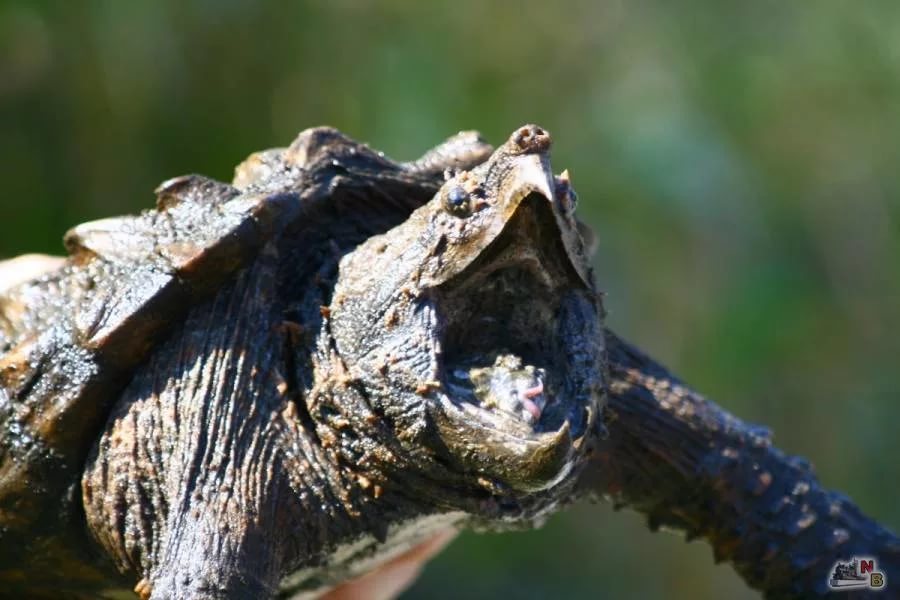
(265, 497)
(690, 466)
(301, 410)
(71, 339)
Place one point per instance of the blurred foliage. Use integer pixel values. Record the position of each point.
(739, 162)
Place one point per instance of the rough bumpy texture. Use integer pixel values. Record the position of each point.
(270, 386)
(72, 339)
(690, 466)
(304, 407)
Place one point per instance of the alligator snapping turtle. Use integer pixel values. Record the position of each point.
(267, 387)
(254, 386)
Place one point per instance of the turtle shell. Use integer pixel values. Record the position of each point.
(71, 339)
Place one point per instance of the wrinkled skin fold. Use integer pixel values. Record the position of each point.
(270, 386)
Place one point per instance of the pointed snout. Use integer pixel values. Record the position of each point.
(529, 139)
(530, 174)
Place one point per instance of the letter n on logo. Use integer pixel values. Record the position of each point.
(866, 566)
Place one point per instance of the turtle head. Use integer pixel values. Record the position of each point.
(478, 318)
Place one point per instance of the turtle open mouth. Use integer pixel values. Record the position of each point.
(476, 324)
(507, 348)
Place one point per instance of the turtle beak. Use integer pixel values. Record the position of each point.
(524, 183)
(527, 465)
(532, 177)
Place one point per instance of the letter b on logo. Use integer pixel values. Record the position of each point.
(876, 580)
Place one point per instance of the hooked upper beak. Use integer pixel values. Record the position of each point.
(523, 171)
(531, 174)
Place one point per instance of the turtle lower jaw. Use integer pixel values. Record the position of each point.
(510, 420)
(499, 448)
(512, 406)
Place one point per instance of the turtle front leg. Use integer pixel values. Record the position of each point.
(195, 485)
(208, 554)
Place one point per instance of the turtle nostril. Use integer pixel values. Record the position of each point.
(531, 138)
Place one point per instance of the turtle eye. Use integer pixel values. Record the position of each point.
(457, 201)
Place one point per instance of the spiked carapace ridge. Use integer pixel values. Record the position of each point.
(268, 386)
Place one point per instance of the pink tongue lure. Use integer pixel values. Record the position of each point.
(528, 403)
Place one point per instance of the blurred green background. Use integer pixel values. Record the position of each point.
(739, 162)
